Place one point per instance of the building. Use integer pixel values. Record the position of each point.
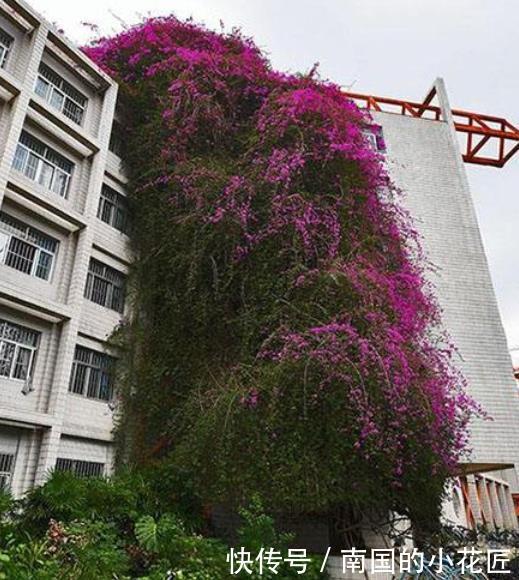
(64, 255)
(515, 362)
(425, 160)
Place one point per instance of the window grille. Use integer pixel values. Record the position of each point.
(6, 42)
(113, 209)
(60, 94)
(105, 286)
(92, 374)
(18, 346)
(80, 468)
(25, 248)
(6, 470)
(43, 164)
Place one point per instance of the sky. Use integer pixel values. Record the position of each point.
(393, 48)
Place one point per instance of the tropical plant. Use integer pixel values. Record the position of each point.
(27, 558)
(190, 555)
(88, 550)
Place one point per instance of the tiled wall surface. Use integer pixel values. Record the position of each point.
(40, 420)
(425, 162)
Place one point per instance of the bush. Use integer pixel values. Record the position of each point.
(88, 550)
(188, 556)
(28, 560)
(120, 500)
(258, 531)
(128, 526)
(65, 498)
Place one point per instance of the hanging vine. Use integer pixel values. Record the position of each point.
(285, 339)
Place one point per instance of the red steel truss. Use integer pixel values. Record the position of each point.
(485, 139)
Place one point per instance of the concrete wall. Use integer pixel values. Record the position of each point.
(424, 161)
(46, 421)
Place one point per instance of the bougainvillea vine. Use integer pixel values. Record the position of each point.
(285, 338)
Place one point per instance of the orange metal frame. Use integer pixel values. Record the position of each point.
(485, 139)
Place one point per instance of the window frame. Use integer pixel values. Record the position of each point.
(375, 138)
(101, 281)
(21, 163)
(57, 85)
(119, 202)
(93, 367)
(79, 467)
(115, 144)
(15, 231)
(6, 44)
(15, 359)
(7, 464)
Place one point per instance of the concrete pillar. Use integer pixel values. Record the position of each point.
(511, 509)
(48, 454)
(502, 492)
(474, 500)
(484, 500)
(494, 501)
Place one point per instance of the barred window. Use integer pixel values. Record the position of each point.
(80, 468)
(92, 374)
(60, 94)
(113, 209)
(6, 42)
(105, 286)
(6, 470)
(18, 346)
(43, 164)
(25, 248)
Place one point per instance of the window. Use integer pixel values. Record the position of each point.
(18, 346)
(113, 209)
(6, 470)
(42, 164)
(25, 248)
(371, 138)
(116, 140)
(92, 374)
(60, 94)
(80, 468)
(105, 286)
(6, 41)
(375, 138)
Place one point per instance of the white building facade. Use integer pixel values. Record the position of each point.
(425, 161)
(64, 256)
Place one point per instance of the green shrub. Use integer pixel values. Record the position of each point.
(258, 531)
(188, 555)
(6, 502)
(88, 550)
(117, 528)
(28, 559)
(121, 499)
(61, 498)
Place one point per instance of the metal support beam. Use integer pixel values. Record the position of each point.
(485, 139)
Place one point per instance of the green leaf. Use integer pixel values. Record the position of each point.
(146, 533)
